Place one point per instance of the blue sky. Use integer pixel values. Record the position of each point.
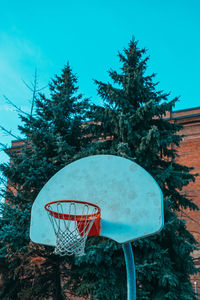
(89, 34)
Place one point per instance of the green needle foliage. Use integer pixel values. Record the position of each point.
(131, 124)
(54, 137)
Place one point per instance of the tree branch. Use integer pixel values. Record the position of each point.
(10, 133)
(15, 106)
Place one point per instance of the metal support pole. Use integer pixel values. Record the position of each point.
(195, 287)
(130, 271)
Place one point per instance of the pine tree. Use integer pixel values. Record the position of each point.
(53, 137)
(132, 125)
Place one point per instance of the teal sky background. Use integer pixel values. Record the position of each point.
(89, 34)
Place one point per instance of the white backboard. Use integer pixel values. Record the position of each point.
(130, 200)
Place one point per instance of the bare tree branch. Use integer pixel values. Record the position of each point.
(18, 109)
(34, 93)
(44, 87)
(34, 89)
(31, 89)
(10, 133)
(3, 145)
(26, 84)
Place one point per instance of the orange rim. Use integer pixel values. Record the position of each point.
(79, 218)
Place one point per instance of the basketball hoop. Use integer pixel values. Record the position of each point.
(72, 222)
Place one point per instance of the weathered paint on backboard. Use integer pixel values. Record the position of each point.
(130, 199)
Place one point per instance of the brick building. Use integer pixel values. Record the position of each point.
(189, 155)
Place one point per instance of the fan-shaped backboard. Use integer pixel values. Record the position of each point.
(129, 198)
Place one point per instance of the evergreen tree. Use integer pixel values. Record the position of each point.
(54, 137)
(132, 125)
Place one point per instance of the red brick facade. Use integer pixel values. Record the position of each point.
(189, 155)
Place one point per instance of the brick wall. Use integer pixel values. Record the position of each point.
(189, 155)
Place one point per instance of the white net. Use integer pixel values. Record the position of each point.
(71, 234)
